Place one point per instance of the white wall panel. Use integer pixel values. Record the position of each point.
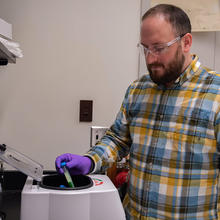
(203, 45)
(217, 52)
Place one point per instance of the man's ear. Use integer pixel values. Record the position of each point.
(186, 42)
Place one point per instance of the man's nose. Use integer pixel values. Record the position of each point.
(151, 58)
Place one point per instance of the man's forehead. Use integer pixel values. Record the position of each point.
(155, 21)
(155, 28)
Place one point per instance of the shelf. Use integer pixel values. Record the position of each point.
(6, 55)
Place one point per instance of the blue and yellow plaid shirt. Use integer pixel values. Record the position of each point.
(173, 138)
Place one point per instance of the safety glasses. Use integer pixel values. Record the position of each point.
(158, 49)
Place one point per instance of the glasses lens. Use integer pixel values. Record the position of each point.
(159, 50)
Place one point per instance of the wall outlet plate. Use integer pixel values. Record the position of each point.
(97, 132)
(85, 110)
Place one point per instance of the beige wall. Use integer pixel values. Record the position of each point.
(73, 50)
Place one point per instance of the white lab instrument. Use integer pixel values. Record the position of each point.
(49, 197)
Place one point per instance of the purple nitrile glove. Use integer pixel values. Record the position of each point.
(76, 164)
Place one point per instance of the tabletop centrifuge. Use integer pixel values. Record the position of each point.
(48, 197)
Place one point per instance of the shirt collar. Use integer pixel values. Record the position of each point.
(190, 70)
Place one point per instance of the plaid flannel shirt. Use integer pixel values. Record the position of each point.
(173, 137)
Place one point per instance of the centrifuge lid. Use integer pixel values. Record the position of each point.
(21, 162)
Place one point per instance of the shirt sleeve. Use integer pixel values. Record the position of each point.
(115, 143)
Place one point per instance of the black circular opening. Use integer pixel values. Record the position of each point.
(59, 182)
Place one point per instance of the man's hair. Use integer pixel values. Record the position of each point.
(172, 14)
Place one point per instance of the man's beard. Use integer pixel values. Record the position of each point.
(171, 73)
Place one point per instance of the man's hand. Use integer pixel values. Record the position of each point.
(76, 164)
